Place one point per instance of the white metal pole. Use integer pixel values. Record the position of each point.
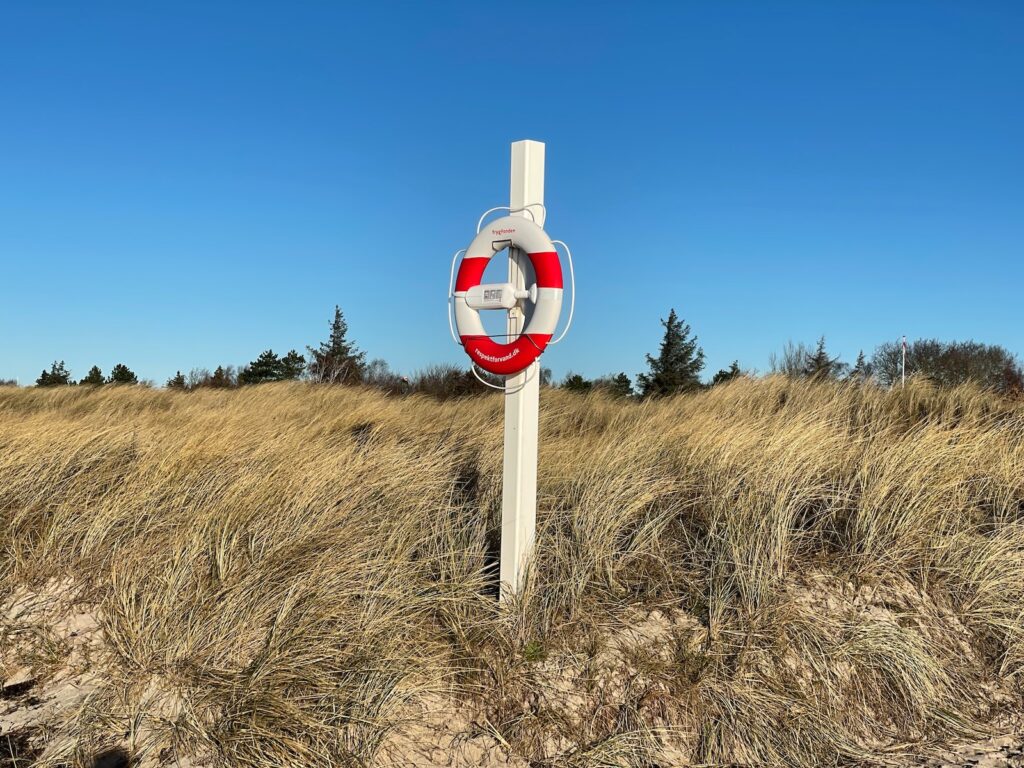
(519, 489)
(903, 368)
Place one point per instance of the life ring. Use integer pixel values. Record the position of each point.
(516, 355)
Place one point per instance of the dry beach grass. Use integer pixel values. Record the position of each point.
(773, 572)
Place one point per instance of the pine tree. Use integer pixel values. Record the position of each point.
(337, 360)
(122, 374)
(621, 385)
(861, 370)
(292, 365)
(266, 367)
(678, 364)
(576, 383)
(222, 378)
(819, 366)
(177, 381)
(727, 374)
(94, 377)
(618, 385)
(57, 376)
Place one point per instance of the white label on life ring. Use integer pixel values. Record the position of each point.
(492, 296)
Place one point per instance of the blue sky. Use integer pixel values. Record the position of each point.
(186, 184)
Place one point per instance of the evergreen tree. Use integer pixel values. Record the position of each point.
(576, 383)
(618, 385)
(266, 367)
(269, 367)
(177, 381)
(727, 374)
(678, 364)
(337, 360)
(861, 370)
(819, 366)
(57, 376)
(122, 374)
(621, 385)
(292, 365)
(94, 377)
(222, 378)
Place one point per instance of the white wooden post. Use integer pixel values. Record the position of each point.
(519, 489)
(903, 367)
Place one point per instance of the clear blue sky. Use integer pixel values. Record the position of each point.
(186, 184)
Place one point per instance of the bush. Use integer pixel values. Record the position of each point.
(122, 374)
(93, 378)
(177, 381)
(573, 382)
(445, 382)
(224, 377)
(57, 376)
(617, 385)
(950, 364)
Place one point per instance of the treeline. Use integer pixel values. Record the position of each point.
(677, 367)
(334, 361)
(680, 361)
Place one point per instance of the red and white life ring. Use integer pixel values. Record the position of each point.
(516, 355)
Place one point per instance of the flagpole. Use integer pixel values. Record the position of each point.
(904, 366)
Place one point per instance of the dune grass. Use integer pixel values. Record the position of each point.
(773, 572)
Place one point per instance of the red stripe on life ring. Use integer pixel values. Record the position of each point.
(505, 359)
(548, 269)
(471, 272)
